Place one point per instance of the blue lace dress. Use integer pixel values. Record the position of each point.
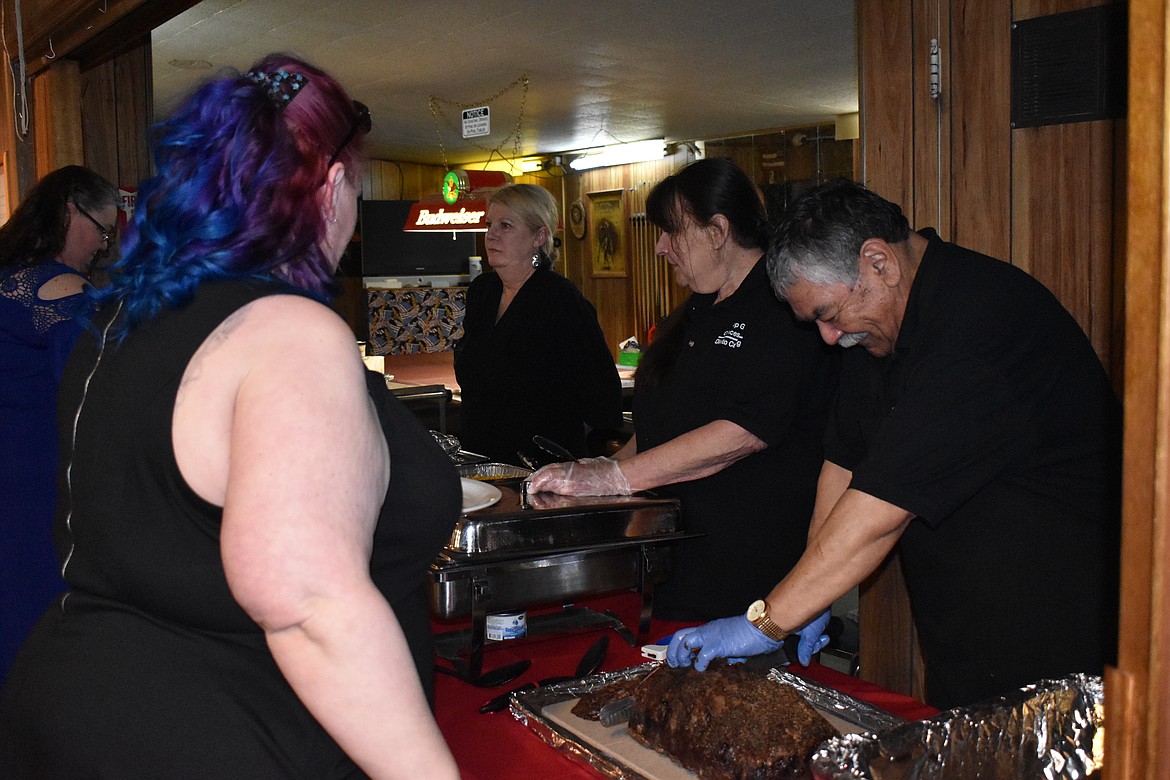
(35, 339)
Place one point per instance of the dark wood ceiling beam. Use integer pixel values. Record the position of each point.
(88, 31)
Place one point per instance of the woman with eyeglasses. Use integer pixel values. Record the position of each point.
(246, 581)
(46, 249)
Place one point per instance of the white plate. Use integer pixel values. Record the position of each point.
(478, 495)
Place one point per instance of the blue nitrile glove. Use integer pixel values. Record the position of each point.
(733, 637)
(812, 638)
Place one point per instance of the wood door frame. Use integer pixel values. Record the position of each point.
(1137, 690)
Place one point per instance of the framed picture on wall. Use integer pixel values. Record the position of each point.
(607, 225)
(577, 219)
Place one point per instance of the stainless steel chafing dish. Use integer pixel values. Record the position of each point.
(528, 550)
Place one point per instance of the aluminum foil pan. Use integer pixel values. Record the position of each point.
(489, 471)
(539, 709)
(1050, 729)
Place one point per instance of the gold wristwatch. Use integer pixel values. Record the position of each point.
(757, 615)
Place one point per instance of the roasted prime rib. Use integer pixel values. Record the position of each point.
(727, 723)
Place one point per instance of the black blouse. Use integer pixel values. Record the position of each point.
(544, 368)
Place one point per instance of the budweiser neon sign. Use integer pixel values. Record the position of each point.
(443, 218)
(462, 204)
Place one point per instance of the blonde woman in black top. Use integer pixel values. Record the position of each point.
(533, 359)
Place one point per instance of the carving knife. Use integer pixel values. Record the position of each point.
(621, 629)
(589, 664)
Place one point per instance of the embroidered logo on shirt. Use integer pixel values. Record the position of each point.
(732, 337)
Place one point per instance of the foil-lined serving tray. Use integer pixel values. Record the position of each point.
(613, 753)
(1050, 729)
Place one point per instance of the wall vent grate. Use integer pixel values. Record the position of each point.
(1069, 67)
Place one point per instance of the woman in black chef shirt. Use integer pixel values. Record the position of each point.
(729, 403)
(532, 360)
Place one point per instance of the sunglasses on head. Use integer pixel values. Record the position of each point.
(360, 122)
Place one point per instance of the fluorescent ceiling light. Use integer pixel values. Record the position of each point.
(620, 154)
(514, 166)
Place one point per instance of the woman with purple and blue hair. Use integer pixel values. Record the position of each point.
(246, 582)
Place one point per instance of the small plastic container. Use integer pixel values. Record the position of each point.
(507, 625)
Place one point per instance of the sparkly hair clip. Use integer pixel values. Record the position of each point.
(280, 87)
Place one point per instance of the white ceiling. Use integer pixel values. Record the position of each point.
(599, 71)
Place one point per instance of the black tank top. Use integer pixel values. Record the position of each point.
(140, 535)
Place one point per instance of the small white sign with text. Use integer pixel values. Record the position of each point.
(477, 121)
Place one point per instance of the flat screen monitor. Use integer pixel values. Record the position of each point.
(388, 250)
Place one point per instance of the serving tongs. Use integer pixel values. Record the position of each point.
(619, 710)
(559, 453)
(552, 448)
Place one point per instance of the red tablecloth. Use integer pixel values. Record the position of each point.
(497, 747)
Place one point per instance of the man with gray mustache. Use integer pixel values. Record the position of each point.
(975, 432)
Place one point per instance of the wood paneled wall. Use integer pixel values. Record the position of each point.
(117, 111)
(56, 96)
(1046, 199)
(1068, 212)
(390, 180)
(613, 296)
(977, 110)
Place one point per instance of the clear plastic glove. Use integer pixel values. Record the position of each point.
(584, 477)
(731, 637)
(812, 638)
